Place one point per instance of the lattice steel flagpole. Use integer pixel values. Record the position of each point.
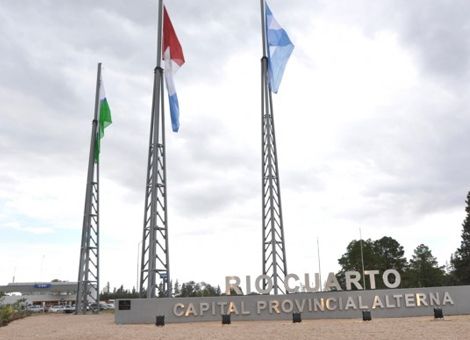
(274, 252)
(88, 271)
(155, 248)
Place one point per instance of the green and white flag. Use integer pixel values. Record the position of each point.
(104, 120)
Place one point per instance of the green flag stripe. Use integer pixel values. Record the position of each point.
(104, 121)
(105, 115)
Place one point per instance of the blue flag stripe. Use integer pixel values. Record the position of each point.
(174, 112)
(278, 38)
(279, 50)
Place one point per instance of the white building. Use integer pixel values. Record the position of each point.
(40, 293)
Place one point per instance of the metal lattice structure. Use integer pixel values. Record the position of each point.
(274, 250)
(155, 251)
(88, 293)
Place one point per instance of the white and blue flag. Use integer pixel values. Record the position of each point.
(279, 50)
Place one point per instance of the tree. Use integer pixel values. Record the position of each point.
(390, 254)
(461, 259)
(119, 293)
(193, 289)
(352, 259)
(108, 287)
(424, 270)
(385, 253)
(161, 290)
(177, 290)
(208, 290)
(450, 277)
(189, 289)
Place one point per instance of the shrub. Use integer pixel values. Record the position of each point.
(10, 313)
(6, 313)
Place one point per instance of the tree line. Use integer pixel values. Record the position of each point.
(187, 289)
(422, 270)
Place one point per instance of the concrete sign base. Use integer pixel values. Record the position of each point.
(321, 305)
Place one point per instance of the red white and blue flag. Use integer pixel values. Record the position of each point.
(174, 59)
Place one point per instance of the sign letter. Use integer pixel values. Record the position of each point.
(229, 285)
(385, 278)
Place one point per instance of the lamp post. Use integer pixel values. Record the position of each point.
(138, 266)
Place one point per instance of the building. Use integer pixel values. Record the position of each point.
(40, 293)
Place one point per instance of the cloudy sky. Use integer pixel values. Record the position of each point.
(372, 122)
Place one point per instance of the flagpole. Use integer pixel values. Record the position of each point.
(263, 26)
(362, 262)
(159, 33)
(274, 252)
(319, 263)
(155, 252)
(157, 96)
(83, 284)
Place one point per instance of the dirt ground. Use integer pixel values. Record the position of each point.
(102, 327)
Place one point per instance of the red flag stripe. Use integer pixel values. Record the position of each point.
(171, 40)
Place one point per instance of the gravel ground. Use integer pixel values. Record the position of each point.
(102, 327)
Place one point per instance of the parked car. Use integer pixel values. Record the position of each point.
(57, 309)
(94, 307)
(69, 309)
(35, 308)
(106, 306)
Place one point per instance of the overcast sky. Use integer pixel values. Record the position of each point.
(372, 123)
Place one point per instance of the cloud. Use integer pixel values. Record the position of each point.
(413, 153)
(435, 32)
(440, 35)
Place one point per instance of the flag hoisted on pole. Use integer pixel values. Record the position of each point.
(104, 119)
(174, 59)
(88, 290)
(277, 48)
(155, 260)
